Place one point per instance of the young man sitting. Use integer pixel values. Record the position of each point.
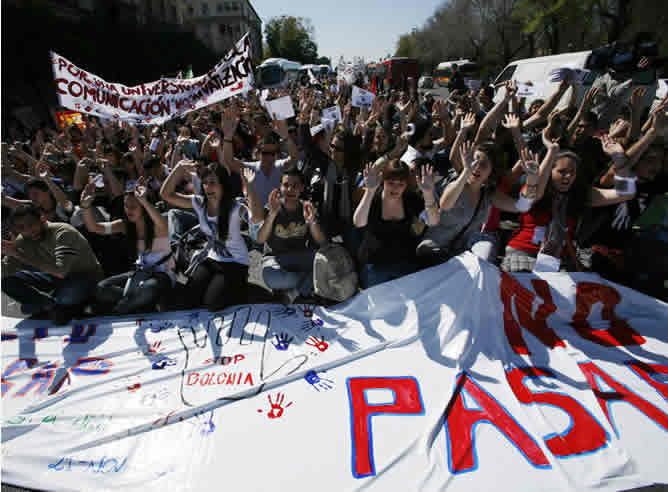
(48, 266)
(290, 233)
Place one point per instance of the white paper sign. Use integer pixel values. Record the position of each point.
(473, 84)
(329, 124)
(153, 102)
(333, 113)
(362, 98)
(281, 108)
(317, 129)
(409, 156)
(525, 89)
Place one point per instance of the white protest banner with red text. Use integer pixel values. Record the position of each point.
(153, 102)
(459, 377)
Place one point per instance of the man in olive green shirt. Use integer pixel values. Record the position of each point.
(48, 266)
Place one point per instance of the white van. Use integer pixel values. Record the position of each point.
(537, 71)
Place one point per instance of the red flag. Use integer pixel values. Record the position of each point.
(373, 84)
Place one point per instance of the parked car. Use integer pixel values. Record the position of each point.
(426, 82)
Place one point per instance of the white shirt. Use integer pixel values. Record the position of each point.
(235, 244)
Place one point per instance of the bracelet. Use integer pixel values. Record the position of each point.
(523, 204)
(625, 186)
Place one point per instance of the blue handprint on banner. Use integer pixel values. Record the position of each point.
(282, 341)
(319, 383)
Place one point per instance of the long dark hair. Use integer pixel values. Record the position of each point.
(227, 202)
(131, 229)
(578, 193)
(491, 150)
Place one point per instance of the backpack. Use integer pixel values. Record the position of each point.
(334, 275)
(187, 244)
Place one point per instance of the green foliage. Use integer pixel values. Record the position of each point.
(406, 45)
(292, 38)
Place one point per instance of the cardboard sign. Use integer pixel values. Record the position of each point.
(333, 113)
(281, 108)
(153, 102)
(362, 98)
(69, 118)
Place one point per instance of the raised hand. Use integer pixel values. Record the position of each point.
(466, 155)
(309, 212)
(549, 143)
(618, 128)
(88, 194)
(611, 147)
(426, 178)
(274, 201)
(9, 247)
(589, 97)
(511, 122)
(511, 89)
(371, 178)
(230, 121)
(248, 177)
(529, 162)
(468, 122)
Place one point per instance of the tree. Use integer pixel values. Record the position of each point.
(323, 60)
(292, 38)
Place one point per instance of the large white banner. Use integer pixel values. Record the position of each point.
(153, 102)
(455, 378)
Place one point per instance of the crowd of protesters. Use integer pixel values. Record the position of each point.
(113, 218)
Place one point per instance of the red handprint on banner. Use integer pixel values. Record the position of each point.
(321, 345)
(306, 310)
(277, 408)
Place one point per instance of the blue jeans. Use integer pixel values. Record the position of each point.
(374, 274)
(37, 291)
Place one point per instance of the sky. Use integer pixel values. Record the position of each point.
(366, 28)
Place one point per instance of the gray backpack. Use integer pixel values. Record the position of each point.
(334, 275)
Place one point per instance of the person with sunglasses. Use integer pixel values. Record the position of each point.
(269, 168)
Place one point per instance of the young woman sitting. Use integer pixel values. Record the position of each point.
(137, 290)
(218, 274)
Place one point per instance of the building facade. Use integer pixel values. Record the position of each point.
(217, 23)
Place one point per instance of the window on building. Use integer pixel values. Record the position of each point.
(205, 8)
(219, 8)
(222, 29)
(227, 6)
(191, 11)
